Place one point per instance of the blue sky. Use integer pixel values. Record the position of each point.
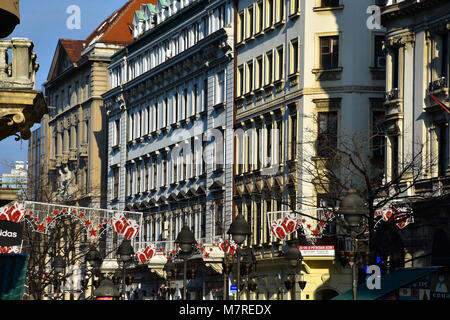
(44, 22)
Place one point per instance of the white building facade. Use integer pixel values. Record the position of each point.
(170, 117)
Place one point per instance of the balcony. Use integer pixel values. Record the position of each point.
(392, 95)
(21, 106)
(438, 87)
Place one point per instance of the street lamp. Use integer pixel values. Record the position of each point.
(239, 231)
(353, 209)
(186, 241)
(293, 255)
(125, 253)
(94, 259)
(106, 291)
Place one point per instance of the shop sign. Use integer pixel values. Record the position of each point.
(317, 251)
(11, 233)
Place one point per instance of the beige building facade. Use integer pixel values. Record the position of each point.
(308, 73)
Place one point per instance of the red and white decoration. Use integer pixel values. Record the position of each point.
(401, 216)
(227, 246)
(42, 216)
(283, 227)
(128, 228)
(144, 255)
(15, 213)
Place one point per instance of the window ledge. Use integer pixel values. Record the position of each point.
(260, 33)
(116, 147)
(269, 28)
(328, 74)
(220, 105)
(239, 44)
(294, 15)
(320, 9)
(279, 23)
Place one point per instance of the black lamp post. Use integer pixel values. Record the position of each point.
(186, 241)
(353, 210)
(239, 231)
(125, 253)
(94, 259)
(293, 255)
(59, 266)
(106, 291)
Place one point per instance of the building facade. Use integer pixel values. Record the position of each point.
(170, 118)
(417, 102)
(73, 165)
(16, 179)
(308, 73)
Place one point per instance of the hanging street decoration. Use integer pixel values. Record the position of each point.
(42, 217)
(401, 216)
(288, 224)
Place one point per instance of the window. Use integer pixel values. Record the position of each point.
(240, 81)
(259, 22)
(164, 169)
(378, 135)
(250, 17)
(329, 52)
(269, 67)
(185, 103)
(146, 175)
(175, 159)
(241, 27)
(203, 221)
(154, 172)
(295, 6)
(140, 124)
(269, 13)
(279, 11)
(220, 87)
(195, 107)
(116, 183)
(249, 84)
(395, 69)
(293, 63)
(394, 156)
(329, 3)
(280, 63)
(380, 59)
(280, 139)
(443, 149)
(218, 219)
(138, 177)
(269, 144)
(293, 133)
(259, 225)
(130, 180)
(327, 133)
(443, 54)
(258, 73)
(205, 94)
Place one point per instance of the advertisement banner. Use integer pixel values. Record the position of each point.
(11, 233)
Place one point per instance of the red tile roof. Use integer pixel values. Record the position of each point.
(73, 48)
(114, 29)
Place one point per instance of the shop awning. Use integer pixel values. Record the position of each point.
(389, 283)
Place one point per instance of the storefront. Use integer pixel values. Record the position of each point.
(427, 283)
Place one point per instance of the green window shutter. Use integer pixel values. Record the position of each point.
(164, 3)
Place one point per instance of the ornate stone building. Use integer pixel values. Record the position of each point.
(170, 115)
(308, 73)
(417, 119)
(73, 137)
